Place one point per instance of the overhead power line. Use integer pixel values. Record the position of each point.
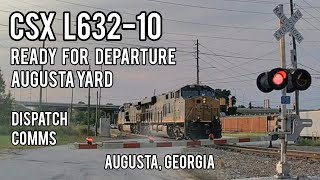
(222, 64)
(169, 19)
(309, 67)
(307, 20)
(219, 9)
(227, 38)
(310, 6)
(222, 26)
(242, 75)
(313, 8)
(240, 81)
(211, 8)
(230, 56)
(255, 1)
(308, 53)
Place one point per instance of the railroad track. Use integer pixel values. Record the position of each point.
(293, 154)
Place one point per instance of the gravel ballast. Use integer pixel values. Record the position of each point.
(234, 165)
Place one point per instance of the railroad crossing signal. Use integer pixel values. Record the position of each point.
(279, 78)
(288, 24)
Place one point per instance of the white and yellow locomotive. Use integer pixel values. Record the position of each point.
(189, 112)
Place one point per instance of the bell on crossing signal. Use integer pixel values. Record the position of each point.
(280, 78)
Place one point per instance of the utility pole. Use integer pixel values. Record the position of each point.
(40, 98)
(96, 127)
(71, 104)
(294, 63)
(99, 109)
(88, 120)
(283, 166)
(197, 62)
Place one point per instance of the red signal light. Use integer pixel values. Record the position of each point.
(283, 74)
(279, 78)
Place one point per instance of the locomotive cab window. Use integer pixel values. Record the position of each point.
(177, 94)
(190, 93)
(207, 93)
(194, 91)
(127, 116)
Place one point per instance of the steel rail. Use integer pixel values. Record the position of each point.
(294, 154)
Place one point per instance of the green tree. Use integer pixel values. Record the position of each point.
(81, 117)
(233, 100)
(226, 94)
(223, 94)
(232, 111)
(6, 103)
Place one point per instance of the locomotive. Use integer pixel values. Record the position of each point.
(190, 112)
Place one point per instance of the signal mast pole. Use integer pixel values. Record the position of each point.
(88, 117)
(294, 63)
(283, 166)
(40, 96)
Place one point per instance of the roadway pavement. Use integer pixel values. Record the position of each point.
(65, 163)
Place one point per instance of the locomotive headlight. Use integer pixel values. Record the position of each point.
(204, 100)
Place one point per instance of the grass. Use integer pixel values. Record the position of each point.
(64, 135)
(62, 139)
(240, 134)
(5, 141)
(308, 142)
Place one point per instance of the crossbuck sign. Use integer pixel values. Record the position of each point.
(287, 24)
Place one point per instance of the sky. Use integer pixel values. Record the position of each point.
(235, 37)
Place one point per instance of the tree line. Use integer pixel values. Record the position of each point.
(6, 102)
